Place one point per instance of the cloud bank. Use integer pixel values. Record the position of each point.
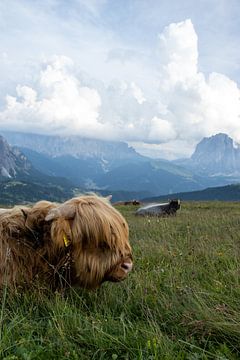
(196, 105)
(186, 106)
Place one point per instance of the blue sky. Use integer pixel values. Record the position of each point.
(158, 74)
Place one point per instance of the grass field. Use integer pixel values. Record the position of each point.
(182, 301)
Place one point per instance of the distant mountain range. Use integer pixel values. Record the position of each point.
(114, 167)
(102, 166)
(82, 148)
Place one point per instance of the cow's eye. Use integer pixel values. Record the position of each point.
(103, 246)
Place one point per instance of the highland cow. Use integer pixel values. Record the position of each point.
(82, 242)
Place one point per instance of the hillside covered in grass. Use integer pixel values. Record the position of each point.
(220, 193)
(14, 192)
(180, 302)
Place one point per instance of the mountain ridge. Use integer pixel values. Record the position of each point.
(103, 166)
(76, 146)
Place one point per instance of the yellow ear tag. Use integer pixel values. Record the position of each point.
(67, 242)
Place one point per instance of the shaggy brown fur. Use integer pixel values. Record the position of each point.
(82, 242)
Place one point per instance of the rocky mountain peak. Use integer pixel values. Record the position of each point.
(217, 155)
(12, 161)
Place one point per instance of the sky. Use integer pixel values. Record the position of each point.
(158, 74)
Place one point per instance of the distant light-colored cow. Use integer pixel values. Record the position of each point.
(162, 209)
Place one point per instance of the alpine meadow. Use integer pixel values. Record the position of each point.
(180, 301)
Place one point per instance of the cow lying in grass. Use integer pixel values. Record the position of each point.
(83, 242)
(129, 202)
(163, 209)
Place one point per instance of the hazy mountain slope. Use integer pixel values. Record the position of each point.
(43, 163)
(172, 168)
(81, 172)
(144, 176)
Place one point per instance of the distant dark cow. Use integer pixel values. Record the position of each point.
(162, 209)
(130, 202)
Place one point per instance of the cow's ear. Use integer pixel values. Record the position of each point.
(65, 211)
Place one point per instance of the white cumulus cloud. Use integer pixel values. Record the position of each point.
(194, 104)
(161, 131)
(60, 103)
(178, 52)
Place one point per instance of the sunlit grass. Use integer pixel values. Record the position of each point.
(180, 302)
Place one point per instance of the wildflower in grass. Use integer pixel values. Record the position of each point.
(218, 285)
(152, 344)
(221, 308)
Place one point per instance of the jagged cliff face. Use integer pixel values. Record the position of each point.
(76, 146)
(217, 155)
(12, 161)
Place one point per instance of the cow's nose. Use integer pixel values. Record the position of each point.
(127, 266)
